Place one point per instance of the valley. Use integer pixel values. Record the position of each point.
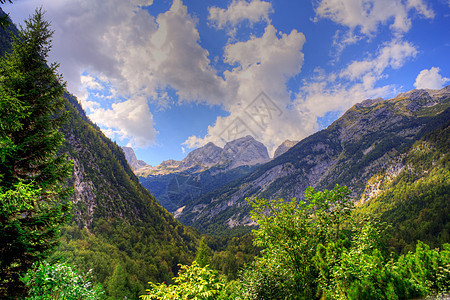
(357, 210)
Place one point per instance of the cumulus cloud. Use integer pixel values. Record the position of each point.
(117, 48)
(90, 82)
(430, 79)
(363, 17)
(393, 54)
(239, 11)
(131, 120)
(260, 64)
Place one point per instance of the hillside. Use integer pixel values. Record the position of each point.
(412, 193)
(112, 207)
(349, 152)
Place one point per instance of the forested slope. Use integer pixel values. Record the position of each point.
(119, 229)
(413, 193)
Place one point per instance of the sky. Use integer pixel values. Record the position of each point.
(166, 77)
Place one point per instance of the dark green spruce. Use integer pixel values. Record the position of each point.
(34, 198)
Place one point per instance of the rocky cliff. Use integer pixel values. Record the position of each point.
(285, 146)
(132, 159)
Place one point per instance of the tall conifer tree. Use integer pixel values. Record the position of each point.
(33, 194)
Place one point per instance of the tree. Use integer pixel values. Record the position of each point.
(314, 250)
(203, 254)
(290, 233)
(117, 283)
(32, 175)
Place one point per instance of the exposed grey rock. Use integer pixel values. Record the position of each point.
(206, 157)
(285, 146)
(132, 159)
(245, 151)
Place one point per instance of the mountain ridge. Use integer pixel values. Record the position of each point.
(245, 151)
(348, 152)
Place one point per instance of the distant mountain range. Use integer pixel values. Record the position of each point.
(176, 183)
(360, 144)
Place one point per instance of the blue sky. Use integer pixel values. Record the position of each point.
(167, 76)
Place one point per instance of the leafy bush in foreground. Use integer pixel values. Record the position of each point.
(60, 281)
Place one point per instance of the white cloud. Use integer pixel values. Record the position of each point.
(264, 67)
(90, 82)
(239, 11)
(130, 120)
(430, 79)
(363, 17)
(138, 56)
(393, 54)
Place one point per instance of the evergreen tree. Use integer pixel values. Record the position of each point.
(203, 254)
(117, 283)
(34, 202)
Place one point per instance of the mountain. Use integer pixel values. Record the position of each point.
(204, 157)
(349, 152)
(285, 146)
(5, 35)
(176, 183)
(132, 159)
(116, 221)
(245, 151)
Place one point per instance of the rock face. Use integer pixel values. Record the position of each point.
(132, 159)
(245, 151)
(175, 183)
(285, 146)
(349, 152)
(203, 157)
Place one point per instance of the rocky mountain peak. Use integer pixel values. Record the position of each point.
(205, 156)
(244, 151)
(285, 146)
(132, 159)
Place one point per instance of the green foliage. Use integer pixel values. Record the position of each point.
(193, 282)
(29, 228)
(363, 272)
(203, 254)
(60, 281)
(313, 250)
(32, 175)
(230, 254)
(290, 232)
(117, 283)
(144, 253)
